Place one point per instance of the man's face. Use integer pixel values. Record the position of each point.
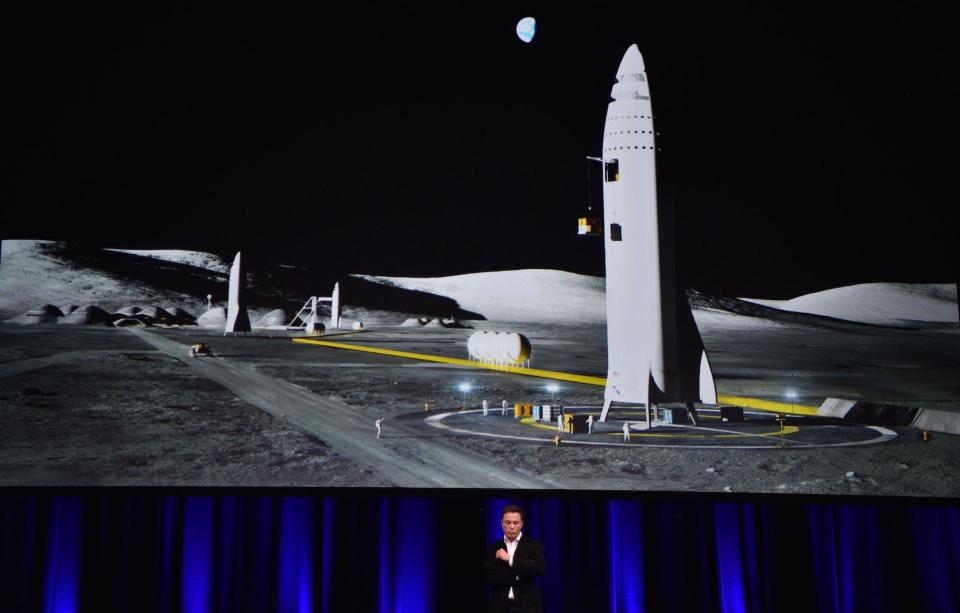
(512, 524)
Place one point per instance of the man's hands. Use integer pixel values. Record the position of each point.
(503, 555)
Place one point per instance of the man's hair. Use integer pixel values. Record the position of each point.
(512, 508)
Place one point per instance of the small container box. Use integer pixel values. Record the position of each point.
(521, 410)
(575, 424)
(674, 416)
(731, 414)
(549, 412)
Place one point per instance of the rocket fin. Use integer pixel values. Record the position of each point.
(606, 409)
(708, 386)
(696, 376)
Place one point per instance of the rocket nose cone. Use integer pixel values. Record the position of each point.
(632, 62)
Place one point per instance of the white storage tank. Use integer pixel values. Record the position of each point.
(509, 348)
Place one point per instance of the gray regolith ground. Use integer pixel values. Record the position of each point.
(100, 406)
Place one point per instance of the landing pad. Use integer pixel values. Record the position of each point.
(758, 430)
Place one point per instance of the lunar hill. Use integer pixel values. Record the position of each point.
(878, 303)
(34, 272)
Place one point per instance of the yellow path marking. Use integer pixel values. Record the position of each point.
(751, 403)
(768, 405)
(787, 430)
(530, 372)
(341, 333)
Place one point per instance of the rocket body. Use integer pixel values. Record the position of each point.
(654, 349)
(237, 318)
(631, 241)
(335, 307)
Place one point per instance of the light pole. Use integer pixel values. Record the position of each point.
(553, 388)
(464, 388)
(791, 396)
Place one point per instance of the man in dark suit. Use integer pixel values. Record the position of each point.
(511, 565)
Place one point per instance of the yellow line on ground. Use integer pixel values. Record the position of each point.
(751, 403)
(530, 372)
(768, 405)
(344, 333)
(787, 430)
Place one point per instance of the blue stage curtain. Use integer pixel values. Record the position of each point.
(401, 554)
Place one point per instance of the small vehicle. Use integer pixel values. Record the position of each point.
(200, 349)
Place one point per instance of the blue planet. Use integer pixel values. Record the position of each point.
(526, 28)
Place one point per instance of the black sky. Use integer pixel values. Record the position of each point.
(801, 149)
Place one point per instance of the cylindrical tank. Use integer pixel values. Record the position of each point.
(499, 347)
(472, 345)
(515, 348)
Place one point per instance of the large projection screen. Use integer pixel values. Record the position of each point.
(382, 247)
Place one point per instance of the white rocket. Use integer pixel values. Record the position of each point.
(237, 318)
(654, 351)
(335, 307)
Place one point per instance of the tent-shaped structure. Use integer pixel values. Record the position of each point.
(88, 315)
(41, 314)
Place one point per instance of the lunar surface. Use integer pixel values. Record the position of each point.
(97, 405)
(100, 406)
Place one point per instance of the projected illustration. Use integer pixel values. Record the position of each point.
(632, 266)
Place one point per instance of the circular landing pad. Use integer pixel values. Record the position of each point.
(758, 430)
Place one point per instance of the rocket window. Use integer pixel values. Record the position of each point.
(611, 170)
(616, 232)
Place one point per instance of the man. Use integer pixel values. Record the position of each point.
(511, 566)
(503, 407)
(485, 407)
(379, 425)
(626, 432)
(589, 424)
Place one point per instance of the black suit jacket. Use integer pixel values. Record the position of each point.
(528, 564)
